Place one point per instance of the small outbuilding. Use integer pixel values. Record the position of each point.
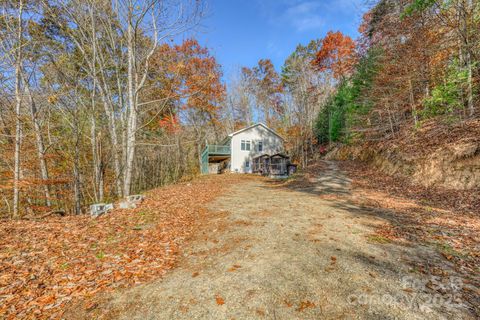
(274, 165)
(261, 164)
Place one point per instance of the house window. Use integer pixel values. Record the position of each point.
(245, 145)
(260, 146)
(247, 164)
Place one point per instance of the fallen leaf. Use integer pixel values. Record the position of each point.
(91, 306)
(234, 268)
(288, 303)
(304, 305)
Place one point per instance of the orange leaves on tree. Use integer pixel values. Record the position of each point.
(170, 123)
(190, 76)
(337, 54)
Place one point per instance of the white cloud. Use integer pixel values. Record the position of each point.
(304, 16)
(301, 15)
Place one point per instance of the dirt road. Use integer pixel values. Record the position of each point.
(274, 252)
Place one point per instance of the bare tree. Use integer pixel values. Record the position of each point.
(12, 48)
(162, 26)
(39, 142)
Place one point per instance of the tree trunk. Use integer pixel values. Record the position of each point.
(40, 144)
(76, 167)
(103, 86)
(18, 106)
(199, 155)
(76, 178)
(390, 121)
(97, 170)
(471, 107)
(112, 128)
(132, 116)
(412, 103)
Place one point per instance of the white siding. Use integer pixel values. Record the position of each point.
(271, 144)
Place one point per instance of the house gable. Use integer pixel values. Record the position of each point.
(254, 126)
(251, 142)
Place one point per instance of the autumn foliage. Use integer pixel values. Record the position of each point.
(336, 54)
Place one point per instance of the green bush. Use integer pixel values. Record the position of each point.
(447, 97)
(346, 107)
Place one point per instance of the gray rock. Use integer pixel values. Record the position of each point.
(127, 205)
(136, 198)
(100, 208)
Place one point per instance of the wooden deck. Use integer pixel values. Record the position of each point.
(214, 153)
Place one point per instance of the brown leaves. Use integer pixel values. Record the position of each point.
(45, 264)
(220, 301)
(304, 305)
(333, 264)
(443, 218)
(235, 267)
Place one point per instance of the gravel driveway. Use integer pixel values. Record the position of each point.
(272, 252)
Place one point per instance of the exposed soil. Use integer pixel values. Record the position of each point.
(435, 155)
(295, 249)
(444, 219)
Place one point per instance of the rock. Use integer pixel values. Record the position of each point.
(136, 198)
(127, 205)
(100, 208)
(97, 209)
(131, 201)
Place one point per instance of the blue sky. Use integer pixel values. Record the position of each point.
(239, 33)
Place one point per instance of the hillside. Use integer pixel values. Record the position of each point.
(434, 155)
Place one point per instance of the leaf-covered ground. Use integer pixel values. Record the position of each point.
(291, 249)
(45, 264)
(431, 136)
(366, 226)
(448, 220)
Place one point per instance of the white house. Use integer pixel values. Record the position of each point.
(240, 148)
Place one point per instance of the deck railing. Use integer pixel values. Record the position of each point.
(219, 149)
(213, 150)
